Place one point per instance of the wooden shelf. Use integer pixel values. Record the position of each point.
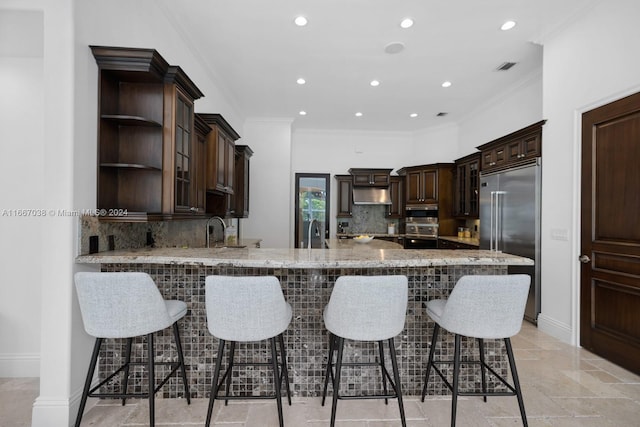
(130, 166)
(126, 120)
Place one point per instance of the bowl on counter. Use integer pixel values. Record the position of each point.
(363, 239)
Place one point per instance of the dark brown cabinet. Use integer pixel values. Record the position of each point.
(241, 185)
(466, 186)
(370, 177)
(513, 149)
(220, 154)
(345, 196)
(145, 144)
(428, 183)
(201, 129)
(448, 244)
(396, 192)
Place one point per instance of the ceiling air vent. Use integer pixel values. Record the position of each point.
(505, 66)
(441, 114)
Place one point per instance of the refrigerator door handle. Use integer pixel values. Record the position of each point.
(491, 197)
(498, 209)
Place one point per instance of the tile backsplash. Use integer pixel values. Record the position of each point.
(132, 235)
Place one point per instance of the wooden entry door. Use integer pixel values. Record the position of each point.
(610, 232)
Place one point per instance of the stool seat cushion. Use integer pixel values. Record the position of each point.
(176, 309)
(367, 308)
(246, 308)
(123, 305)
(483, 306)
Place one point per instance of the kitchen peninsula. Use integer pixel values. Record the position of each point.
(307, 277)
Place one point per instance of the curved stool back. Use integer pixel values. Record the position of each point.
(240, 309)
(365, 308)
(481, 307)
(127, 305)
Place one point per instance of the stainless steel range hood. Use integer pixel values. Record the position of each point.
(371, 196)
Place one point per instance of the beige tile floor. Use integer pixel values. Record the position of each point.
(562, 386)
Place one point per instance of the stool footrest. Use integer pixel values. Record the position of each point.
(175, 366)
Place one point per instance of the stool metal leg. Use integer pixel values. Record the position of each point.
(396, 380)
(152, 381)
(332, 347)
(214, 382)
(336, 380)
(482, 368)
(176, 335)
(127, 360)
(383, 369)
(87, 383)
(276, 379)
(516, 381)
(285, 367)
(456, 374)
(434, 339)
(232, 350)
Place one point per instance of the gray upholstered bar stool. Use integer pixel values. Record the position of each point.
(127, 305)
(481, 307)
(242, 309)
(365, 308)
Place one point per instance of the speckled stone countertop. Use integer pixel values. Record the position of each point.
(303, 258)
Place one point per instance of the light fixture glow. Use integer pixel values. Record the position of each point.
(358, 114)
(446, 84)
(303, 113)
(300, 21)
(301, 81)
(508, 25)
(406, 23)
(413, 115)
(374, 83)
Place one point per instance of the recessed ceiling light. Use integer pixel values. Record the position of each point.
(413, 115)
(300, 21)
(446, 84)
(303, 113)
(508, 25)
(301, 81)
(374, 83)
(406, 23)
(358, 114)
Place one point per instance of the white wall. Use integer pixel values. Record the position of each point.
(589, 64)
(438, 144)
(21, 176)
(269, 182)
(517, 107)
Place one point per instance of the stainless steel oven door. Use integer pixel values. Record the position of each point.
(421, 230)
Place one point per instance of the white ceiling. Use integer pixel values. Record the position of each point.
(256, 53)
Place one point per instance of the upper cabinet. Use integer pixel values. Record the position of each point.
(466, 186)
(513, 149)
(241, 187)
(427, 183)
(145, 136)
(220, 154)
(396, 192)
(345, 196)
(370, 177)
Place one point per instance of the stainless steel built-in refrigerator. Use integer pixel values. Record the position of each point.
(510, 221)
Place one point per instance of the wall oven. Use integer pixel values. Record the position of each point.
(421, 227)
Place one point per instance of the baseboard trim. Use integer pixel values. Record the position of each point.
(19, 365)
(556, 329)
(49, 411)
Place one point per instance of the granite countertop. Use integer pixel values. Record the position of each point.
(351, 235)
(353, 245)
(466, 240)
(303, 258)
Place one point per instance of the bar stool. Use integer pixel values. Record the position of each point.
(241, 309)
(127, 305)
(481, 307)
(365, 308)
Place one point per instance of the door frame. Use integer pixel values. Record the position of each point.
(576, 241)
(297, 177)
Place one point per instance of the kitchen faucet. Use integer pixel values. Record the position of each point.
(309, 232)
(224, 227)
